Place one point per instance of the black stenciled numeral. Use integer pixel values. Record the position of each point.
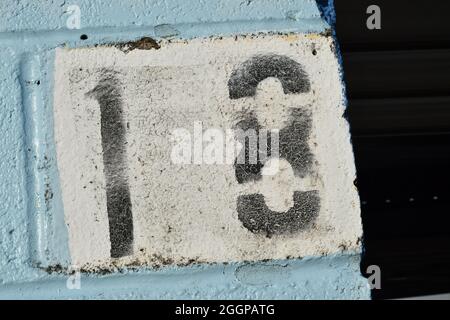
(293, 146)
(107, 93)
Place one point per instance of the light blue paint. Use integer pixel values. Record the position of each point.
(37, 41)
(48, 242)
(312, 278)
(29, 15)
(32, 230)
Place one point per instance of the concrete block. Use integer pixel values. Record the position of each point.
(158, 164)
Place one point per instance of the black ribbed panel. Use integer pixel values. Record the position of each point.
(398, 85)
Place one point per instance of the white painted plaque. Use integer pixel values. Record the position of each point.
(207, 150)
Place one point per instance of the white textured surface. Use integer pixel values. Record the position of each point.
(188, 212)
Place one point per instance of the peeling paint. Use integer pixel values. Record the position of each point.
(145, 43)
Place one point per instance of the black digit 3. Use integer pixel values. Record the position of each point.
(293, 146)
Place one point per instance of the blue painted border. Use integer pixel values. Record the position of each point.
(332, 277)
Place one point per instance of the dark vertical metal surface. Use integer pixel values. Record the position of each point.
(398, 84)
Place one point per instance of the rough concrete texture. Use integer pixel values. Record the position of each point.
(29, 15)
(127, 203)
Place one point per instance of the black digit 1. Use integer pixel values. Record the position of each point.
(118, 201)
(293, 146)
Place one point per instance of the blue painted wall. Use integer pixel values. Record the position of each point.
(32, 230)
